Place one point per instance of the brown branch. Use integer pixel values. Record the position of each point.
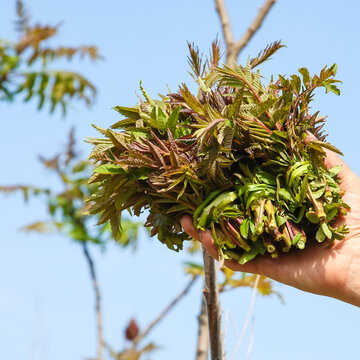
(211, 294)
(96, 289)
(144, 333)
(225, 23)
(233, 48)
(263, 11)
(202, 348)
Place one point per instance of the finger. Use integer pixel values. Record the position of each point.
(187, 224)
(260, 265)
(333, 159)
(256, 266)
(204, 237)
(209, 244)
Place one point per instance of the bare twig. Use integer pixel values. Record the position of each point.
(211, 294)
(251, 307)
(251, 343)
(263, 11)
(225, 23)
(95, 286)
(144, 333)
(233, 48)
(202, 349)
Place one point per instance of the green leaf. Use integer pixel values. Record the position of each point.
(191, 101)
(265, 54)
(173, 119)
(303, 190)
(248, 73)
(204, 204)
(325, 145)
(146, 96)
(256, 81)
(312, 217)
(305, 74)
(244, 228)
(332, 88)
(226, 136)
(282, 134)
(280, 220)
(233, 109)
(109, 169)
(296, 83)
(266, 177)
(326, 230)
(334, 171)
(296, 238)
(132, 113)
(161, 119)
(141, 173)
(330, 214)
(99, 129)
(202, 85)
(140, 133)
(124, 123)
(252, 226)
(333, 68)
(259, 109)
(118, 139)
(247, 256)
(320, 235)
(285, 194)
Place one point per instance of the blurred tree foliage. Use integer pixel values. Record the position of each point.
(66, 206)
(26, 66)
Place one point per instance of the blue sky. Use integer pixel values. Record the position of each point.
(46, 302)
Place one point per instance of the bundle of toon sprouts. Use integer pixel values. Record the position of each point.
(235, 156)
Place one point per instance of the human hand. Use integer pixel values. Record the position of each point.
(320, 269)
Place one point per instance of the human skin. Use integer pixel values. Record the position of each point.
(322, 269)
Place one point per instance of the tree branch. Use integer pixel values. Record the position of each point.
(233, 48)
(202, 349)
(263, 11)
(144, 333)
(97, 300)
(211, 293)
(225, 23)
